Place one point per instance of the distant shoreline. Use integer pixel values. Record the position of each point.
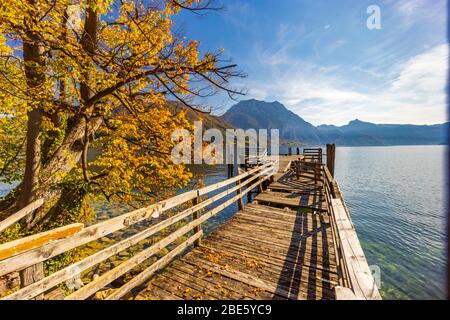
(362, 145)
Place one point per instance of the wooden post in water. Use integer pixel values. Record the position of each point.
(298, 151)
(331, 148)
(290, 151)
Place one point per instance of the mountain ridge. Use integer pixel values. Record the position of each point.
(274, 115)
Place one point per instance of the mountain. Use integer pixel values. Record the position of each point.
(360, 133)
(209, 121)
(271, 115)
(267, 115)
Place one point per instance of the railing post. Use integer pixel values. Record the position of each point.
(260, 186)
(31, 275)
(331, 148)
(197, 215)
(240, 203)
(230, 170)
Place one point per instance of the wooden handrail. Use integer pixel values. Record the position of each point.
(147, 273)
(360, 277)
(109, 226)
(354, 269)
(20, 214)
(51, 249)
(21, 245)
(67, 273)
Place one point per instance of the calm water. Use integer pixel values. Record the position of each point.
(396, 199)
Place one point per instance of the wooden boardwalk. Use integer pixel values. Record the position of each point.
(260, 253)
(294, 240)
(279, 247)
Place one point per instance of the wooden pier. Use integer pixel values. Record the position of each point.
(294, 240)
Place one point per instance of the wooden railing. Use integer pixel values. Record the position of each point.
(23, 253)
(356, 280)
(312, 154)
(255, 156)
(12, 219)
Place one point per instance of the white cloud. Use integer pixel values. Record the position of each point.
(414, 94)
(409, 7)
(336, 44)
(424, 73)
(420, 11)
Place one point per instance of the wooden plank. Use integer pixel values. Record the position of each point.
(278, 245)
(175, 288)
(267, 234)
(240, 290)
(300, 275)
(147, 273)
(126, 266)
(293, 199)
(271, 262)
(18, 246)
(276, 252)
(9, 281)
(343, 293)
(154, 292)
(206, 288)
(275, 212)
(361, 279)
(15, 217)
(189, 290)
(250, 280)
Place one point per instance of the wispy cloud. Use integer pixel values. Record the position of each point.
(418, 11)
(415, 94)
(328, 67)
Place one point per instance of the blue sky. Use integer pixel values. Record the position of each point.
(320, 60)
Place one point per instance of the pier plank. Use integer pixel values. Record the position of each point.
(293, 199)
(276, 253)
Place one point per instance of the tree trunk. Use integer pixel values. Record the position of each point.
(75, 143)
(69, 153)
(33, 58)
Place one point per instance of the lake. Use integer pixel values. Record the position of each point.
(396, 197)
(397, 202)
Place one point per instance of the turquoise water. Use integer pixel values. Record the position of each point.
(397, 202)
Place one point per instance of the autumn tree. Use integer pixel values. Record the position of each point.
(94, 76)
